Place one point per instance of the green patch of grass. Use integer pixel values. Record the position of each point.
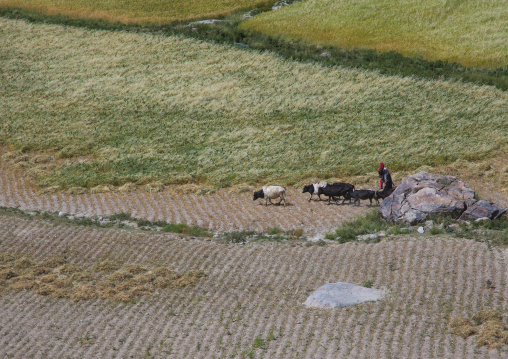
(472, 33)
(436, 230)
(120, 217)
(185, 229)
(272, 235)
(371, 223)
(238, 237)
(258, 343)
(344, 235)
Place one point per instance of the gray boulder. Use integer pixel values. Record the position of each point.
(482, 209)
(342, 294)
(423, 194)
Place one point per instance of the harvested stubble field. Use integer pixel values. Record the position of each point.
(222, 211)
(217, 212)
(130, 107)
(250, 302)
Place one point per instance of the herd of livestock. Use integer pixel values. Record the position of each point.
(333, 191)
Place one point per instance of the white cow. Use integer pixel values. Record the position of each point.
(271, 192)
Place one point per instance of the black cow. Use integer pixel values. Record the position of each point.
(385, 192)
(336, 190)
(362, 194)
(349, 186)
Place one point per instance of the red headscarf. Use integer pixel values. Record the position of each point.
(381, 165)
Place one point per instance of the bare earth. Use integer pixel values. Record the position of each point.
(253, 291)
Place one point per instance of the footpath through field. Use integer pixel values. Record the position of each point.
(218, 212)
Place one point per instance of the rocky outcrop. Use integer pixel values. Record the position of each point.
(423, 194)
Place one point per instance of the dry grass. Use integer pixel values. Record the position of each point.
(127, 283)
(131, 11)
(472, 33)
(107, 266)
(488, 325)
(48, 278)
(23, 263)
(222, 116)
(84, 292)
(492, 334)
(486, 315)
(462, 327)
(68, 268)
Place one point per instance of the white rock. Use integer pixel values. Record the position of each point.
(429, 223)
(482, 219)
(62, 214)
(342, 295)
(420, 230)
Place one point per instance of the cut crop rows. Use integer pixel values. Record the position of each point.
(250, 303)
(218, 212)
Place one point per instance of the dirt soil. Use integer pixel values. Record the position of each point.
(250, 302)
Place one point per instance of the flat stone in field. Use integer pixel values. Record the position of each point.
(342, 294)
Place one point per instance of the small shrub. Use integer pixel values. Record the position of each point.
(330, 236)
(258, 343)
(436, 230)
(274, 231)
(238, 237)
(120, 217)
(368, 284)
(295, 233)
(345, 235)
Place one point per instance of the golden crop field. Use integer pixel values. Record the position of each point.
(471, 33)
(114, 107)
(149, 11)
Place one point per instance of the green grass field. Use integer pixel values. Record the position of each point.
(130, 11)
(127, 107)
(469, 32)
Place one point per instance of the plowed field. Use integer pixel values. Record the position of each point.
(250, 303)
(219, 212)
